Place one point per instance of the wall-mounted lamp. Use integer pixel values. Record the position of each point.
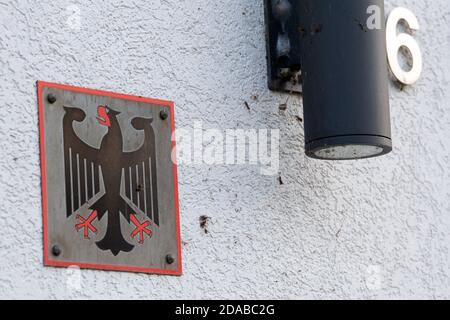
(325, 50)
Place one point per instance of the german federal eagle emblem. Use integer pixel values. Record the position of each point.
(109, 181)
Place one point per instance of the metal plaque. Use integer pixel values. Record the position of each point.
(109, 184)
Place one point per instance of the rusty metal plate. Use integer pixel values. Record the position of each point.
(109, 185)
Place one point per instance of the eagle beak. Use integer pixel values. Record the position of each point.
(103, 117)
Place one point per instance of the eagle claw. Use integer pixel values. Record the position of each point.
(86, 224)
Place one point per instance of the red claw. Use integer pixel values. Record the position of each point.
(86, 224)
(140, 229)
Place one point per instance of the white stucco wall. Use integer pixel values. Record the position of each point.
(375, 228)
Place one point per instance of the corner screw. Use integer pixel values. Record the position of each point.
(56, 250)
(51, 98)
(170, 259)
(163, 114)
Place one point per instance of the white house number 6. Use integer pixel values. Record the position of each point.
(395, 41)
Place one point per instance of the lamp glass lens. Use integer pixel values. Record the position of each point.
(347, 152)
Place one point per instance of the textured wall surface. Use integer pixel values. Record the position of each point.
(366, 229)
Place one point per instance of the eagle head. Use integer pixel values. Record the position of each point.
(103, 115)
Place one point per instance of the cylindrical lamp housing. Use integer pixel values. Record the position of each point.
(345, 80)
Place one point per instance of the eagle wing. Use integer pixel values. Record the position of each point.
(140, 187)
(81, 164)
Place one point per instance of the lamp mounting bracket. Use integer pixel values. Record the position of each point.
(283, 46)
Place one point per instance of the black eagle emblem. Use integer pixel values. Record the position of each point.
(108, 181)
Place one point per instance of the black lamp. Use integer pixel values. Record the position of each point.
(343, 74)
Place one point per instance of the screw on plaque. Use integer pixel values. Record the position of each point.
(51, 98)
(163, 114)
(56, 250)
(170, 259)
